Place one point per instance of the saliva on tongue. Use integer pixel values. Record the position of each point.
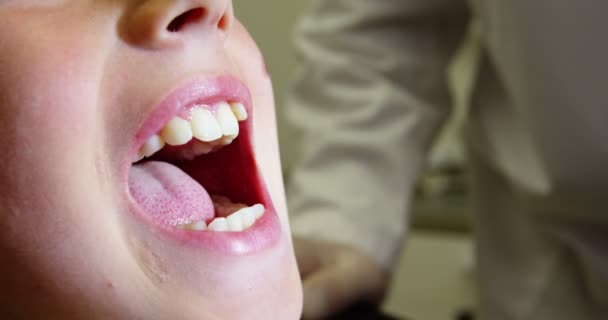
(168, 195)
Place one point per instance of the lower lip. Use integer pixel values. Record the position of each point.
(262, 235)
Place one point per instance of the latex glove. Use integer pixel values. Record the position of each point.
(335, 276)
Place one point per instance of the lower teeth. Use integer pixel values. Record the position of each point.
(239, 220)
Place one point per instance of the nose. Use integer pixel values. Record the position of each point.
(156, 24)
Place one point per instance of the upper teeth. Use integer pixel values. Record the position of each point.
(212, 126)
(227, 120)
(239, 220)
(176, 132)
(204, 125)
(153, 145)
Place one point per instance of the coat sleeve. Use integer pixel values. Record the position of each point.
(368, 96)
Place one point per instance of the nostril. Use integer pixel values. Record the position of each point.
(223, 23)
(190, 16)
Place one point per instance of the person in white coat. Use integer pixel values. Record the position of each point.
(370, 95)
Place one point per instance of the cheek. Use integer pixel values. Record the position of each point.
(48, 130)
(47, 111)
(49, 75)
(47, 84)
(48, 134)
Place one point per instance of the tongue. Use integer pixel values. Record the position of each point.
(168, 195)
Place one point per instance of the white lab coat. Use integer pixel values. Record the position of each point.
(370, 95)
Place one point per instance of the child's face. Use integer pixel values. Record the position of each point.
(85, 85)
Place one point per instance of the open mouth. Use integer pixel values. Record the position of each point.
(195, 171)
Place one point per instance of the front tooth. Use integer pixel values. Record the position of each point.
(235, 223)
(227, 120)
(248, 217)
(258, 210)
(201, 225)
(138, 156)
(177, 132)
(218, 224)
(226, 140)
(202, 148)
(153, 145)
(204, 125)
(239, 111)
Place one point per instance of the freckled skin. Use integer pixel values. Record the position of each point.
(77, 79)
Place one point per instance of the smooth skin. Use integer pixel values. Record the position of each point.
(77, 80)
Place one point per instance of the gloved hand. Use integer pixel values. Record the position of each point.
(335, 276)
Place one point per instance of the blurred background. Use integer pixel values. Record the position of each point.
(434, 279)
